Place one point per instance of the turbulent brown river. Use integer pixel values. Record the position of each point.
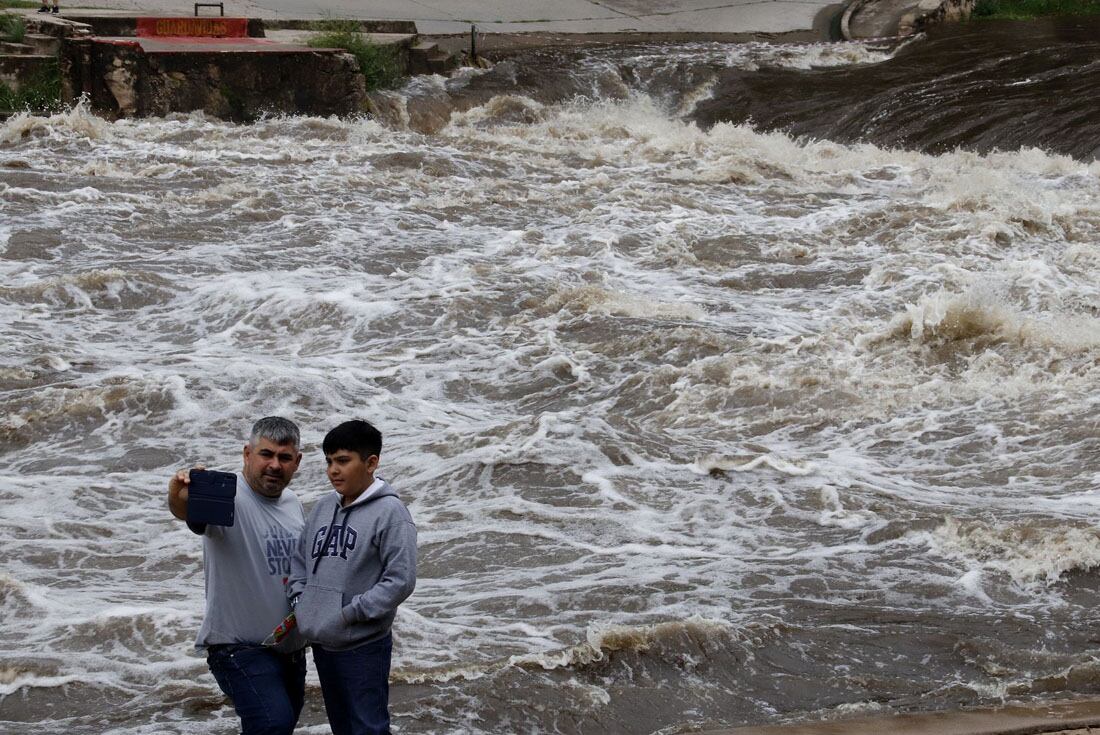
(726, 383)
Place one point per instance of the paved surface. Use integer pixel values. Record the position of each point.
(1070, 718)
(302, 38)
(181, 45)
(518, 16)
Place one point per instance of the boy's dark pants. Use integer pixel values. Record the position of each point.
(356, 687)
(267, 688)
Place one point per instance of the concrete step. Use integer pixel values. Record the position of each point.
(42, 43)
(426, 57)
(11, 47)
(441, 67)
(426, 47)
(57, 26)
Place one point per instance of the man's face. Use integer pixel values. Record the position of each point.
(269, 467)
(349, 473)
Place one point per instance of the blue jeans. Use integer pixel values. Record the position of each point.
(356, 687)
(267, 688)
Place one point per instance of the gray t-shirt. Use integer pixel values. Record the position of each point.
(246, 566)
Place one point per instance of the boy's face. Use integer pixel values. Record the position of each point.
(349, 473)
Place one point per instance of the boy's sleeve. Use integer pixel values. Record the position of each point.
(296, 583)
(397, 551)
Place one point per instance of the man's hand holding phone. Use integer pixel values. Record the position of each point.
(210, 498)
(178, 492)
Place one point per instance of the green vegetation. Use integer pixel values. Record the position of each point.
(41, 93)
(379, 64)
(1025, 9)
(12, 28)
(19, 4)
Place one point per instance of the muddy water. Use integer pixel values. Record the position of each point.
(701, 425)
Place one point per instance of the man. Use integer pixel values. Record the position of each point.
(246, 567)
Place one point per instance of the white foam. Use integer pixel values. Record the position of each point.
(711, 463)
(1029, 555)
(629, 371)
(981, 314)
(12, 681)
(971, 584)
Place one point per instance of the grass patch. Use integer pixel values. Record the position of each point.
(41, 93)
(19, 4)
(1026, 9)
(12, 28)
(379, 64)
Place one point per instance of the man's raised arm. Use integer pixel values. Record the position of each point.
(177, 492)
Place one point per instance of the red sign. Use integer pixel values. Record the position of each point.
(193, 27)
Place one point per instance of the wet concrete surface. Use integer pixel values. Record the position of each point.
(1070, 718)
(520, 16)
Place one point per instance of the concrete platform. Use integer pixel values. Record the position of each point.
(186, 45)
(285, 41)
(871, 19)
(522, 16)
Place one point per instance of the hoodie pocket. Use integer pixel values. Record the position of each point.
(319, 615)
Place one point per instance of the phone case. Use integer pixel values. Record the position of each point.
(210, 497)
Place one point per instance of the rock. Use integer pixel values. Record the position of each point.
(120, 81)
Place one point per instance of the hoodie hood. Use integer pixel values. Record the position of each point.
(379, 488)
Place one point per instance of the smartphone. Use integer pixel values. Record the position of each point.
(210, 497)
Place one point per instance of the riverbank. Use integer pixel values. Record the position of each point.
(1080, 717)
(1031, 9)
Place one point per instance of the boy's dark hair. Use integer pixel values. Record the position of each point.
(355, 436)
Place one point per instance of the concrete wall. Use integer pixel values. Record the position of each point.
(121, 80)
(126, 26)
(365, 26)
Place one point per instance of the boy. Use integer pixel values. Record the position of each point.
(355, 563)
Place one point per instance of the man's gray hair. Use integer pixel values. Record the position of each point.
(276, 429)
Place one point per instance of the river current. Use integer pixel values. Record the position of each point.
(701, 423)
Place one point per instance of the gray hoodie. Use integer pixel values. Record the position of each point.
(352, 567)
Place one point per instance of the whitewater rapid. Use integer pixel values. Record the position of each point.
(774, 426)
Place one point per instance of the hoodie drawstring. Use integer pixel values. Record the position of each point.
(328, 537)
